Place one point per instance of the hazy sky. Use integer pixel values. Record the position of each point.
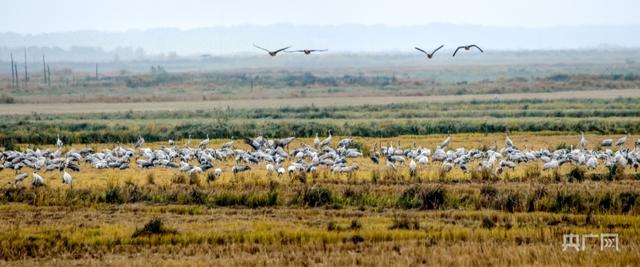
(37, 16)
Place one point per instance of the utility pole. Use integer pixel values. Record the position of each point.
(13, 74)
(44, 70)
(96, 71)
(26, 72)
(15, 67)
(48, 76)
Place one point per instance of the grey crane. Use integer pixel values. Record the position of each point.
(272, 53)
(429, 55)
(467, 48)
(307, 51)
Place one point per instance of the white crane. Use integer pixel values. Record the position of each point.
(37, 180)
(270, 169)
(583, 140)
(412, 168)
(204, 143)
(316, 141)
(446, 141)
(66, 178)
(59, 142)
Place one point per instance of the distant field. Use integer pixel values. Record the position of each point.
(62, 108)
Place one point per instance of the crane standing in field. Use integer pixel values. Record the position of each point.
(204, 143)
(446, 141)
(66, 178)
(59, 142)
(327, 140)
(622, 140)
(583, 140)
(37, 180)
(140, 142)
(507, 141)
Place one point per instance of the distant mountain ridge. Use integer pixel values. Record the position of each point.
(337, 38)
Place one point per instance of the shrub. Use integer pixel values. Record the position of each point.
(154, 227)
(355, 225)
(179, 179)
(357, 239)
(607, 202)
(483, 174)
(489, 192)
(616, 172)
(577, 173)
(567, 202)
(532, 172)
(332, 226)
(407, 199)
(627, 201)
(197, 197)
(151, 178)
(210, 177)
(194, 179)
(488, 223)
(432, 198)
(510, 201)
(315, 196)
(423, 198)
(114, 195)
(404, 222)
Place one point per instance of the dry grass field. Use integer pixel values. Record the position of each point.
(517, 218)
(90, 178)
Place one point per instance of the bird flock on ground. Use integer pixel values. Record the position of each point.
(277, 158)
(274, 53)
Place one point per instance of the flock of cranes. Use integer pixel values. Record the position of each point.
(273, 53)
(279, 158)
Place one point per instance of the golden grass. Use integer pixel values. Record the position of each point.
(291, 236)
(287, 234)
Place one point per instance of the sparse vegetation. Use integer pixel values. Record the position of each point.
(154, 227)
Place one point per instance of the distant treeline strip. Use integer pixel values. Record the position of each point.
(45, 132)
(621, 107)
(613, 116)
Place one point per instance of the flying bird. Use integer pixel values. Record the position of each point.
(307, 51)
(467, 48)
(272, 53)
(429, 55)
